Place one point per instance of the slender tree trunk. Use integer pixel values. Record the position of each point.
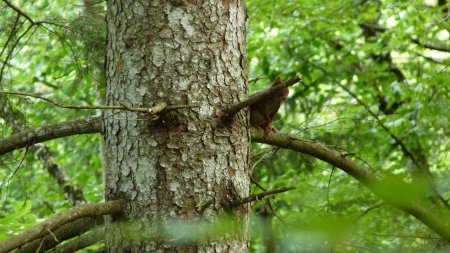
(187, 163)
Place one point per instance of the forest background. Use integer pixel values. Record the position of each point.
(375, 87)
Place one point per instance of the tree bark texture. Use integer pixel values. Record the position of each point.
(188, 163)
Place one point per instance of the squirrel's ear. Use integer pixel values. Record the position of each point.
(277, 81)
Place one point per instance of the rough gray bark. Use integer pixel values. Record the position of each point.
(178, 52)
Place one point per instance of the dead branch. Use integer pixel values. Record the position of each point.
(50, 132)
(230, 112)
(88, 210)
(19, 11)
(83, 241)
(259, 196)
(152, 110)
(63, 233)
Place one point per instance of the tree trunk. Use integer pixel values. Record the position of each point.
(187, 163)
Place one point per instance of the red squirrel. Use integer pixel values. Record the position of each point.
(263, 112)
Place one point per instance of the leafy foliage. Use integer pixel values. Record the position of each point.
(367, 83)
(49, 59)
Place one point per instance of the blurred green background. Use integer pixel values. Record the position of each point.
(376, 85)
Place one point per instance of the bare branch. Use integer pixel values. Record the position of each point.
(259, 196)
(366, 177)
(431, 46)
(25, 15)
(50, 132)
(63, 233)
(88, 210)
(11, 35)
(153, 110)
(319, 151)
(58, 130)
(10, 52)
(259, 96)
(83, 241)
(19, 11)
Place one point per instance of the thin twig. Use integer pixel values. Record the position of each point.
(63, 233)
(259, 196)
(257, 184)
(11, 51)
(19, 11)
(152, 110)
(51, 233)
(259, 96)
(200, 209)
(328, 189)
(256, 79)
(11, 35)
(26, 16)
